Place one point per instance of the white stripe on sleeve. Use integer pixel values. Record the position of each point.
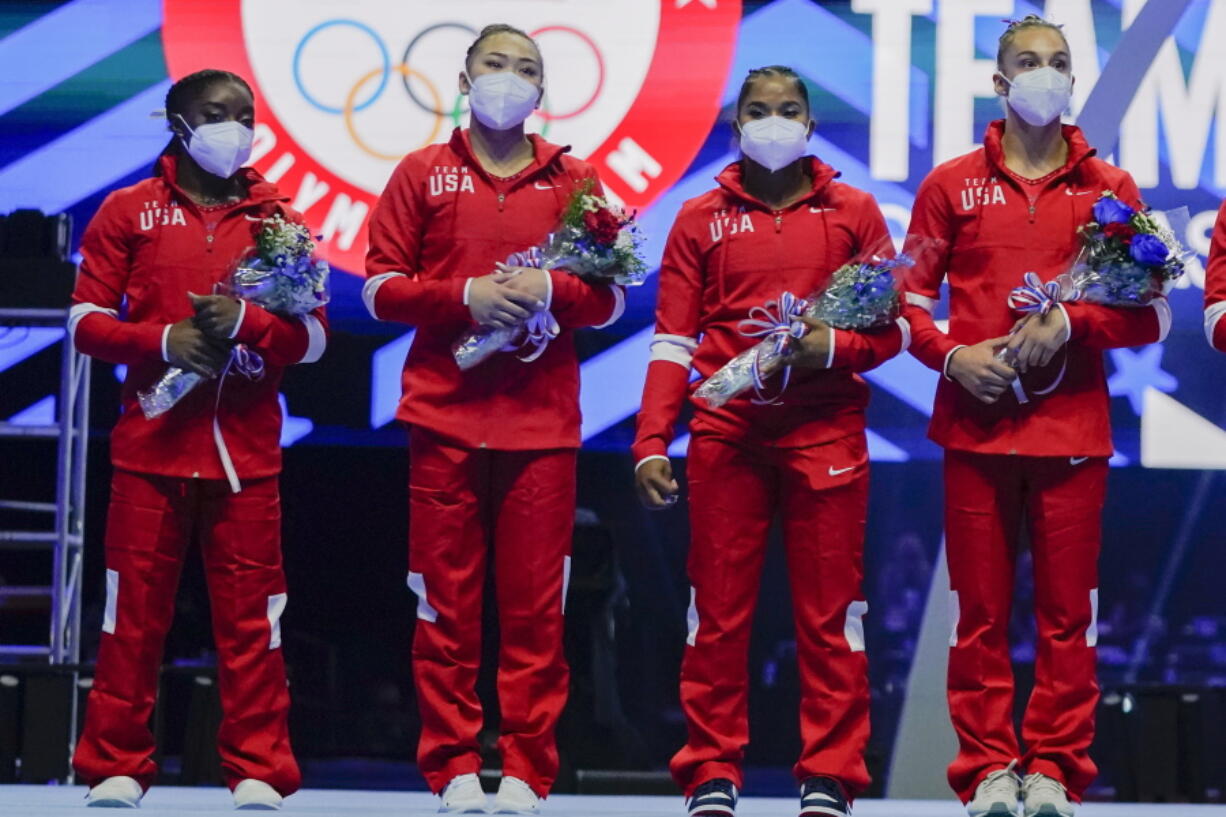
(673, 348)
(371, 288)
(317, 339)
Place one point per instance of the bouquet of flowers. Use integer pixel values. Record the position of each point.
(596, 241)
(1127, 258)
(281, 275)
(862, 294)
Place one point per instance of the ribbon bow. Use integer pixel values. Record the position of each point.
(777, 323)
(246, 362)
(1035, 296)
(541, 327)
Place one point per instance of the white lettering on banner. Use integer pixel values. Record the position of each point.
(345, 219)
(889, 137)
(262, 143)
(633, 164)
(1188, 108)
(1077, 19)
(310, 190)
(961, 78)
(280, 167)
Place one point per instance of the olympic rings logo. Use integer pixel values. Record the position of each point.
(358, 99)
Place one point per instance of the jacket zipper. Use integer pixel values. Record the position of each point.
(502, 197)
(778, 221)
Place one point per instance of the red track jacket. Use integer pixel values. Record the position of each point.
(729, 252)
(1215, 285)
(994, 234)
(145, 249)
(443, 220)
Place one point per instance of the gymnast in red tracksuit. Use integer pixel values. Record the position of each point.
(492, 449)
(1215, 285)
(778, 221)
(206, 470)
(1015, 456)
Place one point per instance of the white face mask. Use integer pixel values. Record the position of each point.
(221, 148)
(1040, 96)
(502, 100)
(774, 142)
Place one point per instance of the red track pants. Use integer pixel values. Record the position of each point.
(821, 493)
(986, 499)
(150, 523)
(461, 502)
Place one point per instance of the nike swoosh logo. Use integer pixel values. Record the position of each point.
(538, 186)
(823, 209)
(1077, 460)
(834, 472)
(1068, 192)
(821, 795)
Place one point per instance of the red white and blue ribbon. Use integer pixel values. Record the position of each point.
(777, 323)
(1035, 296)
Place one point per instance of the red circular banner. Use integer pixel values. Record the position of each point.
(655, 138)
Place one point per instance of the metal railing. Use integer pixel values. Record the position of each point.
(63, 540)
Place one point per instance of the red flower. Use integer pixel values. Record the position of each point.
(1120, 231)
(602, 225)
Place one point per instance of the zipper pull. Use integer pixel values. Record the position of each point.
(1032, 209)
(502, 197)
(778, 221)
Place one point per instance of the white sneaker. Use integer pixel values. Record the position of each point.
(516, 797)
(256, 795)
(997, 795)
(463, 795)
(116, 792)
(1045, 796)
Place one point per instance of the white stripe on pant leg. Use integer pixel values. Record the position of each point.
(276, 606)
(853, 625)
(565, 581)
(112, 601)
(1092, 630)
(955, 615)
(691, 619)
(417, 583)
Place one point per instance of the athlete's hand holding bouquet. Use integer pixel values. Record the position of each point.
(862, 295)
(1127, 258)
(281, 275)
(596, 241)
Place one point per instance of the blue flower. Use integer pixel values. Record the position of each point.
(1149, 250)
(1110, 210)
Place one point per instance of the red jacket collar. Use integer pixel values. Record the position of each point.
(545, 153)
(731, 179)
(1078, 148)
(259, 190)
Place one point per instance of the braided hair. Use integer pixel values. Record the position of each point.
(772, 71)
(1017, 26)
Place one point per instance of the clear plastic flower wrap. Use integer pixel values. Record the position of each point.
(168, 390)
(863, 294)
(1127, 258)
(281, 275)
(596, 241)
